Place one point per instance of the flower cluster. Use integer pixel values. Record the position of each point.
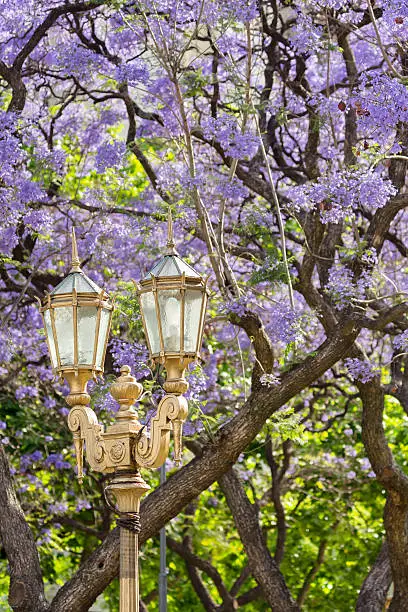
(133, 72)
(401, 341)
(360, 370)
(110, 155)
(134, 354)
(269, 380)
(284, 323)
(337, 195)
(225, 130)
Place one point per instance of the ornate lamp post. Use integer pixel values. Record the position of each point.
(77, 316)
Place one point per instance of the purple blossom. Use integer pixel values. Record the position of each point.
(351, 475)
(57, 460)
(269, 380)
(348, 432)
(225, 130)
(110, 155)
(343, 289)
(26, 391)
(49, 402)
(238, 306)
(133, 73)
(401, 341)
(337, 195)
(365, 464)
(284, 323)
(28, 459)
(45, 537)
(134, 354)
(361, 370)
(82, 504)
(59, 507)
(3, 425)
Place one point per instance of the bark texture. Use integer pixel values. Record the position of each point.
(26, 592)
(263, 567)
(373, 594)
(395, 483)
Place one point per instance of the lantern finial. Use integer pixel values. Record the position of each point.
(171, 250)
(75, 259)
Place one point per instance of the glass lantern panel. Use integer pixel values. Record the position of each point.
(192, 312)
(169, 269)
(84, 284)
(170, 303)
(86, 333)
(103, 332)
(64, 328)
(50, 337)
(150, 317)
(65, 286)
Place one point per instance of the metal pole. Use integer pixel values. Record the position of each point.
(163, 568)
(129, 571)
(128, 490)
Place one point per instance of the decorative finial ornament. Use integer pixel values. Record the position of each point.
(75, 266)
(171, 249)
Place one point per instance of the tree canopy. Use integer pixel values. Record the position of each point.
(277, 134)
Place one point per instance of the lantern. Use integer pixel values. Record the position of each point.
(173, 299)
(77, 316)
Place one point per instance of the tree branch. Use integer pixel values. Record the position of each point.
(373, 594)
(26, 585)
(263, 567)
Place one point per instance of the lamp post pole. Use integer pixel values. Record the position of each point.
(163, 565)
(77, 316)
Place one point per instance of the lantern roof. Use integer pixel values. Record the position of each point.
(171, 264)
(76, 278)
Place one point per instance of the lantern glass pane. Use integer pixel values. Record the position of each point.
(192, 312)
(86, 333)
(185, 267)
(78, 281)
(50, 337)
(65, 286)
(169, 268)
(170, 303)
(103, 332)
(64, 328)
(149, 313)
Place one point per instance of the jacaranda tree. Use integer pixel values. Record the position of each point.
(277, 134)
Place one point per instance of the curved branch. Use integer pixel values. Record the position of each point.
(263, 567)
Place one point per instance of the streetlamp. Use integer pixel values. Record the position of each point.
(77, 316)
(173, 300)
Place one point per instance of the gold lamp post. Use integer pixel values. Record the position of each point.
(77, 317)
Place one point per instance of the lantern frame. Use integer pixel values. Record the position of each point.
(175, 362)
(182, 283)
(74, 300)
